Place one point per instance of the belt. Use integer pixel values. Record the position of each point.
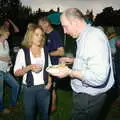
(34, 86)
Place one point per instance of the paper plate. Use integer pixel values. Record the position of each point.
(53, 69)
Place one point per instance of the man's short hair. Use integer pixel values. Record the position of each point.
(73, 13)
(44, 19)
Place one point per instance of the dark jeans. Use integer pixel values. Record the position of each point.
(10, 80)
(36, 98)
(87, 107)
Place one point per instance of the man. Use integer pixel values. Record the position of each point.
(55, 48)
(92, 72)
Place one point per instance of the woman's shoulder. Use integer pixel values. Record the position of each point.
(20, 51)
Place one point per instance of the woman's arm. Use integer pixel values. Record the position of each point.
(19, 64)
(49, 82)
(32, 67)
(5, 58)
(21, 72)
(16, 29)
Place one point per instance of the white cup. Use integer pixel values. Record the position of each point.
(39, 64)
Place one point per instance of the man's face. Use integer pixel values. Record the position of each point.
(43, 25)
(68, 27)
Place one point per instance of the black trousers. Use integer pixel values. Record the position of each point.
(87, 107)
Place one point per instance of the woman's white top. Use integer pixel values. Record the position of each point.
(4, 52)
(20, 63)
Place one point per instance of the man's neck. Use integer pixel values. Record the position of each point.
(50, 29)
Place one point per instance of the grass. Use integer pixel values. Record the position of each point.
(63, 112)
(64, 106)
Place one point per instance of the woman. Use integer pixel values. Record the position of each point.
(36, 94)
(4, 73)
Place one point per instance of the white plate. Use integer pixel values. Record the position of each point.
(53, 69)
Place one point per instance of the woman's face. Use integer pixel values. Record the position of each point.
(37, 37)
(7, 24)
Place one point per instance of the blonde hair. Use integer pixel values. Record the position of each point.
(27, 41)
(4, 31)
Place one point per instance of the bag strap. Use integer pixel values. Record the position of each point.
(27, 56)
(45, 74)
(105, 83)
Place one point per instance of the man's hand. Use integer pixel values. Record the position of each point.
(66, 60)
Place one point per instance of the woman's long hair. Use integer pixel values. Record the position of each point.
(27, 41)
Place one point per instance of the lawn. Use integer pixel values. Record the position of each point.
(64, 105)
(63, 112)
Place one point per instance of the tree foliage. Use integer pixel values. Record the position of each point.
(13, 9)
(9, 8)
(108, 17)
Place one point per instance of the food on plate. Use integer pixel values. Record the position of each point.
(55, 68)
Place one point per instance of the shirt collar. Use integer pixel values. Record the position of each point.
(83, 31)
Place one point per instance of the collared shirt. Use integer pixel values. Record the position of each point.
(93, 59)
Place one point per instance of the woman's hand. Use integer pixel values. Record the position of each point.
(36, 67)
(48, 86)
(32, 67)
(19, 72)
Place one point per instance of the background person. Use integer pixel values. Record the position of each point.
(8, 23)
(92, 72)
(14, 38)
(5, 76)
(36, 81)
(56, 50)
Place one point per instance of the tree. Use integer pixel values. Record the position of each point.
(9, 8)
(108, 17)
